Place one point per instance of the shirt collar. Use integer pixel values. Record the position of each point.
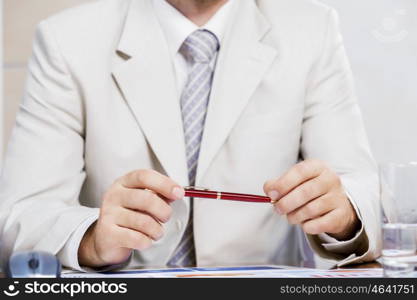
(177, 27)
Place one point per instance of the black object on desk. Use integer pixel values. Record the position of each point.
(29, 264)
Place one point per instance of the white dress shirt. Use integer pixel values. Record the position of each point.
(176, 28)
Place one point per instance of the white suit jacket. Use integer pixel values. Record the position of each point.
(101, 101)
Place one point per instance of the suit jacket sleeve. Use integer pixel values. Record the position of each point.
(333, 131)
(44, 166)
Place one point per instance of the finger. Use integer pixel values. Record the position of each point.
(148, 202)
(331, 222)
(154, 181)
(131, 239)
(140, 222)
(312, 210)
(304, 193)
(298, 174)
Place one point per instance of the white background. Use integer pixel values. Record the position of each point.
(381, 40)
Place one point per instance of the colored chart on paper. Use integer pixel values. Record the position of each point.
(234, 272)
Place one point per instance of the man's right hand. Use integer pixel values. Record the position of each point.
(131, 217)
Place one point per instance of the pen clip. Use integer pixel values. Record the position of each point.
(197, 188)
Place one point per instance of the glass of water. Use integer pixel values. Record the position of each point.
(399, 208)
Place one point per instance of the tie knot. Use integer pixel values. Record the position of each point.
(200, 46)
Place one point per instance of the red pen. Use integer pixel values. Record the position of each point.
(195, 192)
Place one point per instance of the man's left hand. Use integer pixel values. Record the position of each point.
(311, 195)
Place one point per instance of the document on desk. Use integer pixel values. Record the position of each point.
(233, 272)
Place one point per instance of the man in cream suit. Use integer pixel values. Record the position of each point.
(128, 101)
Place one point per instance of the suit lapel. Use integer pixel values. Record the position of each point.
(145, 76)
(242, 63)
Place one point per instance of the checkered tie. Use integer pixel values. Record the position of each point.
(199, 50)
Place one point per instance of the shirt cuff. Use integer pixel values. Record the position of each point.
(68, 255)
(342, 247)
(353, 245)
